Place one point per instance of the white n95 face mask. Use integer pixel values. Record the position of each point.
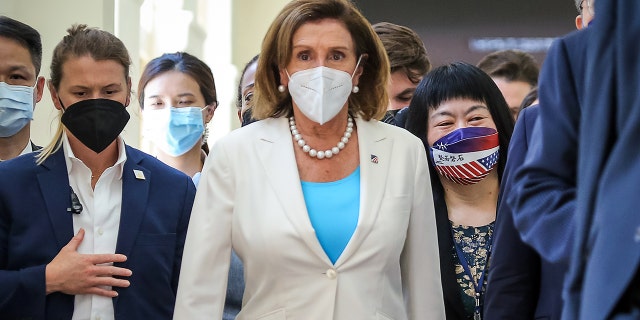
(321, 92)
(16, 108)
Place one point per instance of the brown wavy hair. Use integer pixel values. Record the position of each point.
(405, 49)
(372, 100)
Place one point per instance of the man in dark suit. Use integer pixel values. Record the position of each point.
(603, 282)
(91, 228)
(514, 281)
(521, 284)
(20, 86)
(527, 277)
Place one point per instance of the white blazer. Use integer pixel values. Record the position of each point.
(250, 198)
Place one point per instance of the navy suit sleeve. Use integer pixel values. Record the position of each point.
(602, 282)
(514, 276)
(22, 290)
(543, 197)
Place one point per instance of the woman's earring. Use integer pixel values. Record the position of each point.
(281, 88)
(355, 89)
(205, 134)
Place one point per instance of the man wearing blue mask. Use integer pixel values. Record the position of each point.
(20, 86)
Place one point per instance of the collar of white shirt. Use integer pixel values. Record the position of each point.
(119, 165)
(27, 149)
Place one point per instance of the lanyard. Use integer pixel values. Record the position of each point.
(478, 287)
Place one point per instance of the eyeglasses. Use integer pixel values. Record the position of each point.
(590, 6)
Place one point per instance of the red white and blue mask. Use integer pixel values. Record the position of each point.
(466, 155)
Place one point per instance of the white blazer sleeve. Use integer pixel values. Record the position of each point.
(207, 250)
(420, 261)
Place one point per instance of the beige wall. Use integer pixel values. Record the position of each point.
(251, 19)
(223, 33)
(51, 19)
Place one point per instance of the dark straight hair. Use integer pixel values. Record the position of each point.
(184, 63)
(459, 80)
(26, 36)
(187, 64)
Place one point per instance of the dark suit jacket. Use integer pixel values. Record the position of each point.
(400, 117)
(514, 280)
(607, 251)
(35, 225)
(543, 195)
(521, 285)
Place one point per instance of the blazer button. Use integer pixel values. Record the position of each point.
(331, 274)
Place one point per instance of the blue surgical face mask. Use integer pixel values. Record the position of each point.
(16, 108)
(174, 130)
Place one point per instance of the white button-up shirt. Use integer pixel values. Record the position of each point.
(100, 218)
(27, 149)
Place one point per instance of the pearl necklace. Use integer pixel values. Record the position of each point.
(321, 154)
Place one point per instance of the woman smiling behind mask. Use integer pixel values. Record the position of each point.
(306, 196)
(461, 116)
(177, 93)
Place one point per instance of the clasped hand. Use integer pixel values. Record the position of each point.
(74, 273)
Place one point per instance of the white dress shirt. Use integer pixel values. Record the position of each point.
(27, 149)
(100, 218)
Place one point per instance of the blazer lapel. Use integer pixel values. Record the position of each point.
(55, 189)
(275, 151)
(135, 193)
(375, 156)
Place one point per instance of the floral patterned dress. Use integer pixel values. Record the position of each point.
(475, 244)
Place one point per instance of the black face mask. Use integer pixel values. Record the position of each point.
(246, 117)
(95, 122)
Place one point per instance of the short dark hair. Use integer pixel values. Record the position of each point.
(184, 63)
(405, 50)
(513, 65)
(26, 36)
(455, 81)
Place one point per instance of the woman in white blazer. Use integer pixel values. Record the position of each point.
(330, 210)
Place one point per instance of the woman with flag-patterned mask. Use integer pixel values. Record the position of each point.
(465, 124)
